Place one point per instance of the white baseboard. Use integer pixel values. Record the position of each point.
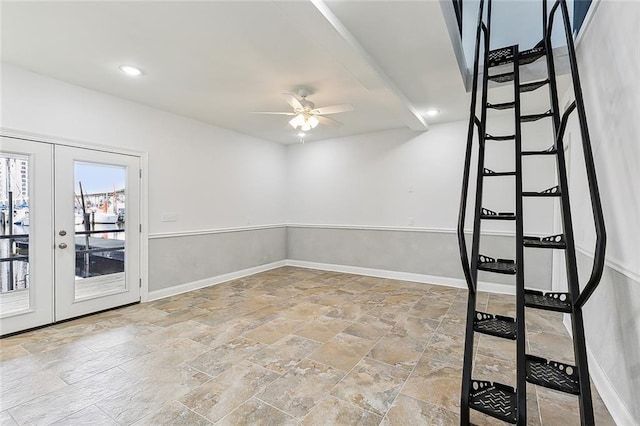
(195, 285)
(405, 276)
(618, 410)
(370, 272)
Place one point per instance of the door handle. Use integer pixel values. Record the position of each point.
(62, 245)
(62, 233)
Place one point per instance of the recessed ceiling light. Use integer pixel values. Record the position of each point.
(302, 134)
(432, 112)
(130, 70)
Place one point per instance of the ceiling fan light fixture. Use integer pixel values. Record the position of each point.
(296, 121)
(305, 116)
(313, 121)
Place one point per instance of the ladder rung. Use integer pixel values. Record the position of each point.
(499, 266)
(553, 242)
(533, 54)
(504, 105)
(494, 399)
(526, 87)
(491, 215)
(553, 375)
(502, 78)
(489, 172)
(495, 325)
(551, 192)
(501, 56)
(557, 302)
(499, 138)
(549, 151)
(530, 87)
(535, 117)
(504, 55)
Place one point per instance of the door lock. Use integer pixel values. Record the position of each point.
(62, 245)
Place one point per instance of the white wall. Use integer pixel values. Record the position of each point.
(368, 179)
(388, 178)
(210, 177)
(609, 67)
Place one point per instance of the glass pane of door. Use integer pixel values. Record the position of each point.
(99, 216)
(26, 268)
(14, 233)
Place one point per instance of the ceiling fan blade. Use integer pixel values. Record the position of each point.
(272, 113)
(333, 109)
(292, 100)
(328, 121)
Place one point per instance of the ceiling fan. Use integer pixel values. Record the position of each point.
(306, 115)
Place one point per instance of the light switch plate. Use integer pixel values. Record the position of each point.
(169, 217)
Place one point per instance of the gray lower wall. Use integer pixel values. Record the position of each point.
(419, 252)
(183, 259)
(178, 260)
(612, 328)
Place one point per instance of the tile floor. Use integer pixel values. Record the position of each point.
(285, 347)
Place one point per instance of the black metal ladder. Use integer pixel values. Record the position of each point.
(500, 400)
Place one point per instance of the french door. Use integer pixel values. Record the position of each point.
(70, 242)
(26, 244)
(97, 231)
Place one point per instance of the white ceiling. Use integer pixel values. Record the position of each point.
(216, 61)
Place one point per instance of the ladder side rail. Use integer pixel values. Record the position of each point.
(551, 71)
(596, 205)
(577, 323)
(521, 356)
(473, 122)
(475, 247)
(473, 272)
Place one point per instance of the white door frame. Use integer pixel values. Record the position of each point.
(144, 187)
